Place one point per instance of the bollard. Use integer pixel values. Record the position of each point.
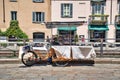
(101, 47)
(24, 42)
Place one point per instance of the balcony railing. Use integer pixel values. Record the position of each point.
(117, 19)
(98, 19)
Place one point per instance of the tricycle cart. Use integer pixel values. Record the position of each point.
(57, 55)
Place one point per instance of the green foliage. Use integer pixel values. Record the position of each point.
(15, 31)
(3, 44)
(76, 38)
(2, 33)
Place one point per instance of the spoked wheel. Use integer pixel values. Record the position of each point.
(29, 58)
(61, 63)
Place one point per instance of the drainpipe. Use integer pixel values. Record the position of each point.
(111, 13)
(3, 11)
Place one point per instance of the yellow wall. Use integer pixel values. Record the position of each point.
(24, 10)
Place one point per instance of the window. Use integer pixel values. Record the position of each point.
(13, 0)
(38, 36)
(66, 10)
(117, 35)
(38, 0)
(119, 7)
(98, 8)
(38, 17)
(13, 15)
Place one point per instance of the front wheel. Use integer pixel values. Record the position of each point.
(29, 58)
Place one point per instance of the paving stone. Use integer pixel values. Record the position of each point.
(38, 72)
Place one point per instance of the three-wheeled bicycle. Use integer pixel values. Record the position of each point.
(57, 55)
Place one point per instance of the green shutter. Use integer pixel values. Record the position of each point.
(71, 10)
(42, 16)
(33, 16)
(62, 10)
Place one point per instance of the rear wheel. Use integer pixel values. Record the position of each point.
(29, 58)
(61, 63)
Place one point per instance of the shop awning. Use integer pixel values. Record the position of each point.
(69, 28)
(97, 0)
(98, 27)
(117, 27)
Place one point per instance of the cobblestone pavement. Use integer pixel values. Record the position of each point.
(48, 72)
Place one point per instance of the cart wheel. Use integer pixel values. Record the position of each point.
(29, 58)
(61, 63)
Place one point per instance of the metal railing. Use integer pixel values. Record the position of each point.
(101, 47)
(98, 19)
(108, 43)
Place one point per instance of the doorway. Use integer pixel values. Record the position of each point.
(95, 35)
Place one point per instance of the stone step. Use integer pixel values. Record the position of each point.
(8, 53)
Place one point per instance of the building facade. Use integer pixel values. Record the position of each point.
(31, 15)
(92, 19)
(101, 17)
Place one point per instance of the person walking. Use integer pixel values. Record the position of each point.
(83, 41)
(48, 39)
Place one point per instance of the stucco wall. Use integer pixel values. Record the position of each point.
(24, 10)
(111, 33)
(81, 10)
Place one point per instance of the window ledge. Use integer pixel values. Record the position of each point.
(38, 22)
(66, 16)
(81, 17)
(38, 2)
(13, 0)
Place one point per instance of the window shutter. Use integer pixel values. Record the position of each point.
(71, 10)
(42, 17)
(93, 8)
(118, 8)
(16, 15)
(102, 11)
(33, 16)
(102, 8)
(62, 13)
(11, 16)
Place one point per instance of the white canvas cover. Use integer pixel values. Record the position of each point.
(77, 52)
(83, 52)
(63, 51)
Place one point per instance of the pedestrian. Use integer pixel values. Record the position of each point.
(83, 41)
(48, 39)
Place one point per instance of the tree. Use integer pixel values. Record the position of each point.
(15, 31)
(76, 38)
(2, 33)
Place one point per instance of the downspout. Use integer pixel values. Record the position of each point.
(3, 11)
(111, 13)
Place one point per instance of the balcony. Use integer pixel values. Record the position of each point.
(98, 19)
(117, 20)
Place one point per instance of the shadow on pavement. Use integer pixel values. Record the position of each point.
(70, 63)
